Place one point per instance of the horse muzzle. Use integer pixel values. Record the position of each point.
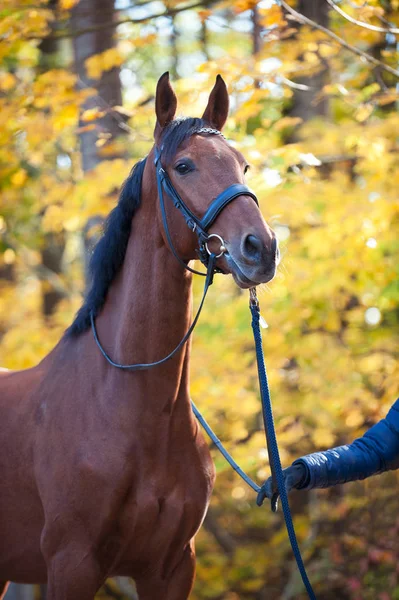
(251, 262)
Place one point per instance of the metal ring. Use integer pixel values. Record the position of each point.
(222, 246)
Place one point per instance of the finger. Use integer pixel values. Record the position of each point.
(269, 488)
(261, 496)
(266, 491)
(274, 502)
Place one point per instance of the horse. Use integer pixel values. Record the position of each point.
(104, 471)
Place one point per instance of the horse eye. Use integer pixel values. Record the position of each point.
(183, 168)
(246, 168)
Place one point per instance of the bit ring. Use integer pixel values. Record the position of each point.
(223, 248)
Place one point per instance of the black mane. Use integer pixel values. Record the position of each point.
(110, 250)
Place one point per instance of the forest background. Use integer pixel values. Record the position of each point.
(314, 99)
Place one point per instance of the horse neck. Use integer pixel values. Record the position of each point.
(148, 308)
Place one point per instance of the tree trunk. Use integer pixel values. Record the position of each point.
(174, 67)
(256, 31)
(204, 40)
(89, 14)
(52, 254)
(303, 104)
(256, 37)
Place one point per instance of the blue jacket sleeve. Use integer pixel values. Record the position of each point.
(377, 451)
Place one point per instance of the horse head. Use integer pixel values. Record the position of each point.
(200, 166)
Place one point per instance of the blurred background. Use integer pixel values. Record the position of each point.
(314, 108)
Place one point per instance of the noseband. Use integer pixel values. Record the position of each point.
(197, 225)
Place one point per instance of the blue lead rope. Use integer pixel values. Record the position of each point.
(274, 455)
(271, 439)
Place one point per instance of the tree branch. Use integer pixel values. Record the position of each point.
(111, 24)
(361, 23)
(302, 19)
(47, 7)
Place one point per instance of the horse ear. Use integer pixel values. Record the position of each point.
(165, 102)
(218, 105)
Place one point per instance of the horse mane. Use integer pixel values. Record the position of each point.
(109, 252)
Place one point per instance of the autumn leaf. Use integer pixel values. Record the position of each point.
(97, 64)
(91, 114)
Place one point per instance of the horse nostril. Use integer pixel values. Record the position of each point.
(252, 246)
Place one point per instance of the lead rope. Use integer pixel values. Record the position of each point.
(271, 440)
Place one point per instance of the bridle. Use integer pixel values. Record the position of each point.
(200, 226)
(197, 225)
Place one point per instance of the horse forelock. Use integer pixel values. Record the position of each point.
(177, 132)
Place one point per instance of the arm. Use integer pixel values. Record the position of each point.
(375, 452)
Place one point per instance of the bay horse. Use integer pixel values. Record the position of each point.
(104, 471)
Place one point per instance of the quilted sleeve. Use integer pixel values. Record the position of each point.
(375, 452)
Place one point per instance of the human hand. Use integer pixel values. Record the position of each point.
(293, 477)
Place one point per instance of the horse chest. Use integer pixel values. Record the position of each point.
(161, 515)
(158, 529)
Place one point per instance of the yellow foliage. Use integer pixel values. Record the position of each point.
(287, 122)
(331, 195)
(68, 4)
(98, 63)
(7, 81)
(327, 50)
(272, 16)
(91, 114)
(19, 178)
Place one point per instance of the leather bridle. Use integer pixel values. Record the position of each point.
(200, 226)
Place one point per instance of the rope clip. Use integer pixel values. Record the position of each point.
(253, 298)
